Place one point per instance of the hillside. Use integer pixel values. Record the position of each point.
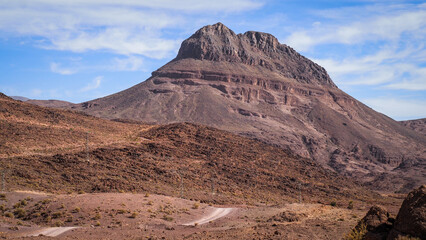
(26, 129)
(135, 157)
(252, 85)
(418, 125)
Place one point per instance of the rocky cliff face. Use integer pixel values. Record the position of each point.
(220, 44)
(252, 85)
(410, 222)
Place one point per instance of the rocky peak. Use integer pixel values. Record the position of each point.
(215, 29)
(219, 43)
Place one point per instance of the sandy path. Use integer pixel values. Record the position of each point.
(51, 232)
(216, 214)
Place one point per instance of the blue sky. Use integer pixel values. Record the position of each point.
(84, 49)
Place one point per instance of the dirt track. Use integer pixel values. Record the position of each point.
(215, 214)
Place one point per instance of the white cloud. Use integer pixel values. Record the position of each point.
(182, 5)
(398, 109)
(131, 63)
(125, 27)
(56, 68)
(36, 92)
(96, 83)
(388, 26)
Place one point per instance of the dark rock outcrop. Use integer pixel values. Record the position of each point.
(411, 219)
(377, 222)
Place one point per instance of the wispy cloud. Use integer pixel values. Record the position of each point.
(123, 27)
(384, 46)
(399, 109)
(35, 92)
(390, 26)
(131, 63)
(96, 83)
(56, 68)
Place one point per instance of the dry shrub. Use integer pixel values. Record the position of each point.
(357, 233)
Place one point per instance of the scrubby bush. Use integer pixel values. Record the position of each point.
(333, 203)
(19, 213)
(196, 205)
(357, 233)
(134, 215)
(97, 216)
(59, 224)
(351, 204)
(56, 215)
(8, 214)
(168, 218)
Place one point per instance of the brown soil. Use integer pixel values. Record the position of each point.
(252, 85)
(142, 216)
(26, 129)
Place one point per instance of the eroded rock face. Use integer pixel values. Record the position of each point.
(411, 219)
(378, 223)
(219, 43)
(252, 85)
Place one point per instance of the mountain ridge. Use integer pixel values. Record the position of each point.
(227, 81)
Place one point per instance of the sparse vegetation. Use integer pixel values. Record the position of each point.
(351, 204)
(76, 210)
(333, 203)
(56, 215)
(59, 224)
(134, 215)
(8, 214)
(19, 213)
(357, 233)
(97, 224)
(24, 202)
(97, 216)
(196, 205)
(168, 218)
(2, 196)
(46, 201)
(121, 211)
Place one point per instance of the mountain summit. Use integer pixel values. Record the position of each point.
(219, 43)
(252, 85)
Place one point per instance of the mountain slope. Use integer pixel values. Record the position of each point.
(153, 158)
(252, 85)
(418, 125)
(26, 129)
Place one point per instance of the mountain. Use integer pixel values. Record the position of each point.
(418, 125)
(252, 85)
(23, 99)
(45, 149)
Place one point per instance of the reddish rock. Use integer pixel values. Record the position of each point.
(411, 219)
(378, 223)
(252, 85)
